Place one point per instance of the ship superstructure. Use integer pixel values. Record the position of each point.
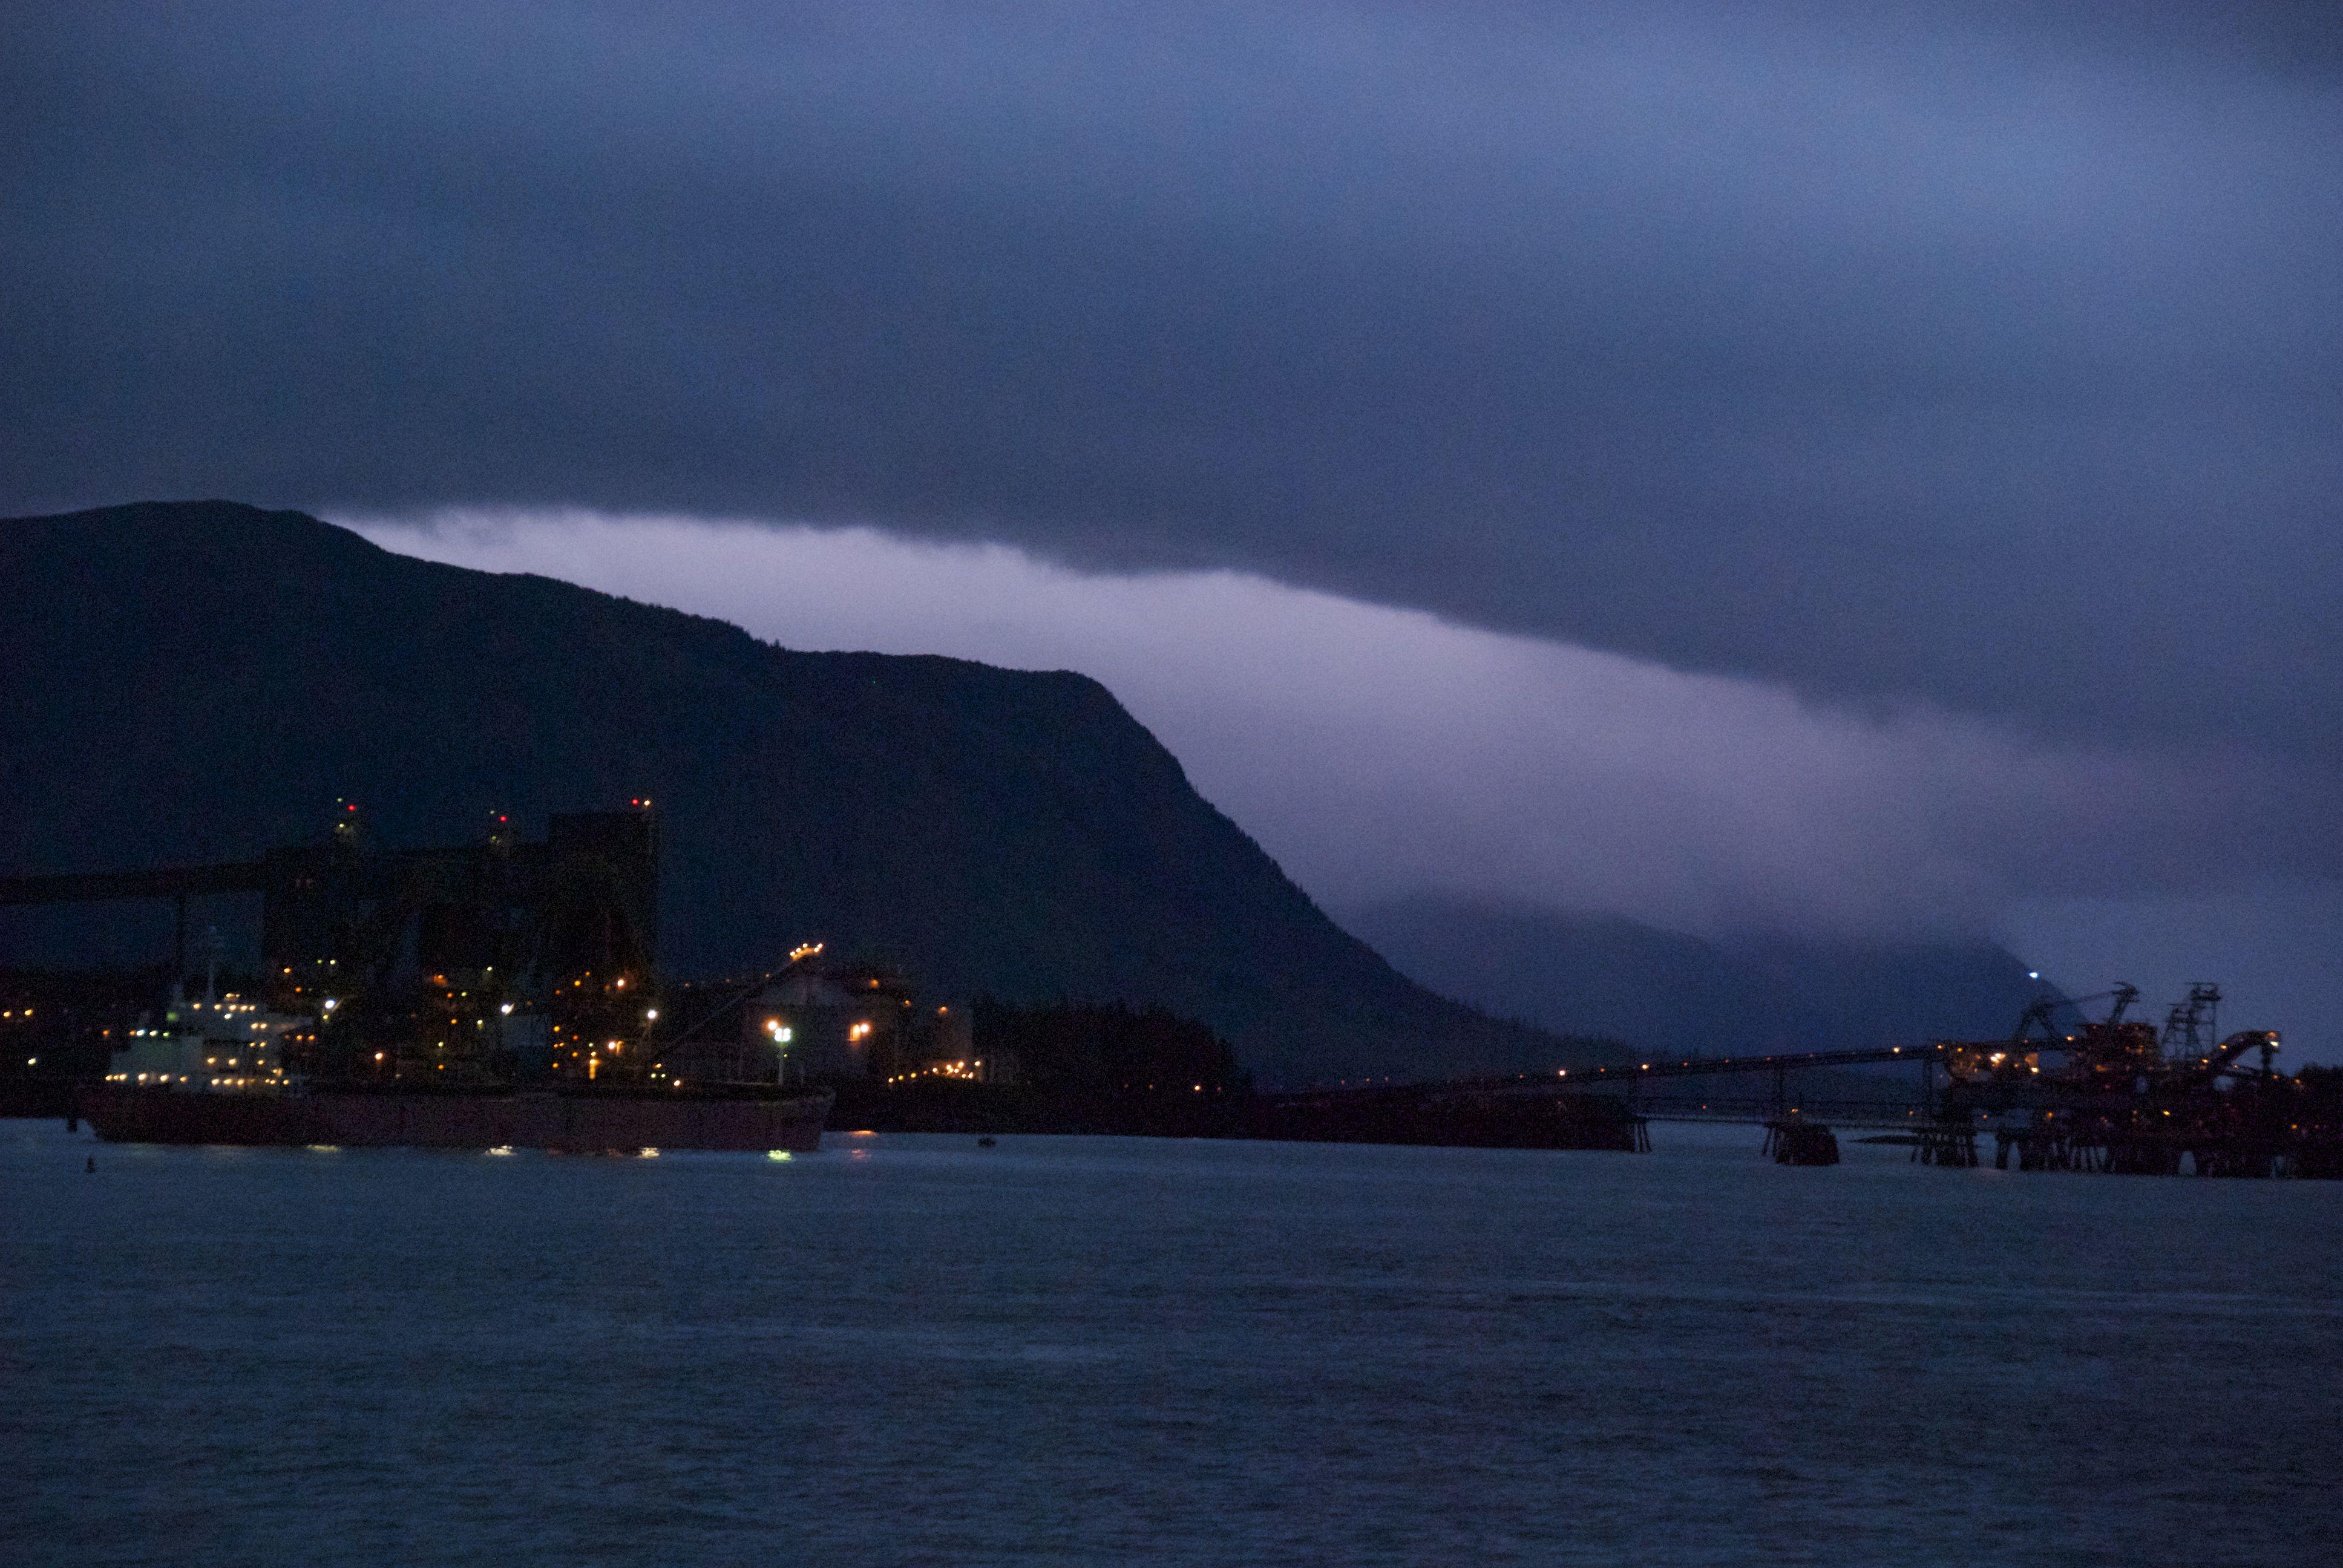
(226, 1044)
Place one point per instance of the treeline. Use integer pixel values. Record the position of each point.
(1117, 1071)
(1090, 1049)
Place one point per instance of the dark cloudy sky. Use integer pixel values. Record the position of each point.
(1865, 466)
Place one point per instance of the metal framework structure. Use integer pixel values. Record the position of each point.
(420, 959)
(2110, 1094)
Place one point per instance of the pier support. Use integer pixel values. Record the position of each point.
(1946, 1143)
(1796, 1142)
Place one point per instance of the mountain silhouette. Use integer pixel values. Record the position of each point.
(198, 681)
(1663, 990)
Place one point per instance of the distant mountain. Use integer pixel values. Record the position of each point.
(197, 681)
(1663, 990)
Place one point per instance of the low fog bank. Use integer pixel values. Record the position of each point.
(1383, 754)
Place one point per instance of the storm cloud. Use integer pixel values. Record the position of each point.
(1378, 752)
(1873, 462)
(1983, 356)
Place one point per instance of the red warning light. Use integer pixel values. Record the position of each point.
(350, 807)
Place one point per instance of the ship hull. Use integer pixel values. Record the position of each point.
(566, 1123)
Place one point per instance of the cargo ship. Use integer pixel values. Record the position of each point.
(571, 1121)
(498, 995)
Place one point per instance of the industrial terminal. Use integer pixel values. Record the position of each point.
(507, 992)
(498, 993)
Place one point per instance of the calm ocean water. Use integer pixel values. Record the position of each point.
(909, 1350)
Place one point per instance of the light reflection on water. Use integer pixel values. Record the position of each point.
(1064, 1351)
